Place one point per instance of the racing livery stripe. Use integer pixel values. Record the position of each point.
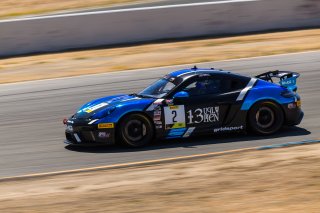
(246, 89)
(77, 137)
(91, 122)
(154, 104)
(188, 132)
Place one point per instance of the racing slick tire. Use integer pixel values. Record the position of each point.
(135, 130)
(265, 118)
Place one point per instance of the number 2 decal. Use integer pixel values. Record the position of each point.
(175, 116)
(174, 113)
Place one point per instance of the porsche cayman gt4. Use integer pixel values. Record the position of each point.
(187, 103)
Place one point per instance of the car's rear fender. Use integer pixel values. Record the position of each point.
(265, 91)
(273, 102)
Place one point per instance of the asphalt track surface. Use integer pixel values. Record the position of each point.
(32, 133)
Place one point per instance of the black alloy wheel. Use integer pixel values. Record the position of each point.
(265, 118)
(135, 130)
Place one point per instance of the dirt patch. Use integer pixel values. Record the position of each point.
(12, 8)
(154, 55)
(280, 180)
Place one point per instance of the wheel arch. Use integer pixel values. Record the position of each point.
(273, 101)
(135, 112)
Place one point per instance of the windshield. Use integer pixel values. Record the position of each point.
(158, 89)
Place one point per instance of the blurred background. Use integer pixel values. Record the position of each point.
(57, 55)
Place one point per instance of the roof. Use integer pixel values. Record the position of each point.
(183, 75)
(196, 71)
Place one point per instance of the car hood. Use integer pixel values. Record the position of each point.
(110, 103)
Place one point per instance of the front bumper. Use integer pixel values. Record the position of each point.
(89, 135)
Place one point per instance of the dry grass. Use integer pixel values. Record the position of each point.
(153, 55)
(282, 180)
(11, 8)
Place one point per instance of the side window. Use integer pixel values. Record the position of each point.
(236, 84)
(213, 85)
(204, 86)
(229, 85)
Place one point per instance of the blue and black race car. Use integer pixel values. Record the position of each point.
(187, 103)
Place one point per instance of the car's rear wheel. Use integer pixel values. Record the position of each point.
(265, 118)
(135, 130)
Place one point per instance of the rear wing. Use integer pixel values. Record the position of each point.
(287, 79)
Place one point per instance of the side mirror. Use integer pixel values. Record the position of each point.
(181, 94)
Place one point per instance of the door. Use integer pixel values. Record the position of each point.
(207, 107)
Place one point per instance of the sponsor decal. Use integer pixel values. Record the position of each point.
(288, 82)
(122, 98)
(177, 125)
(173, 107)
(106, 126)
(158, 124)
(157, 117)
(103, 135)
(226, 129)
(203, 115)
(176, 133)
(117, 99)
(157, 114)
(95, 107)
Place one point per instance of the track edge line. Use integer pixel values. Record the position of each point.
(157, 161)
(128, 165)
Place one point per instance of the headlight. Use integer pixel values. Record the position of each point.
(103, 113)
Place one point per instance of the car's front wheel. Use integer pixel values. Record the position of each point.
(135, 130)
(265, 118)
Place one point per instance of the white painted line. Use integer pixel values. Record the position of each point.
(130, 165)
(155, 162)
(126, 10)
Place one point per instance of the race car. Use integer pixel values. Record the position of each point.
(187, 103)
